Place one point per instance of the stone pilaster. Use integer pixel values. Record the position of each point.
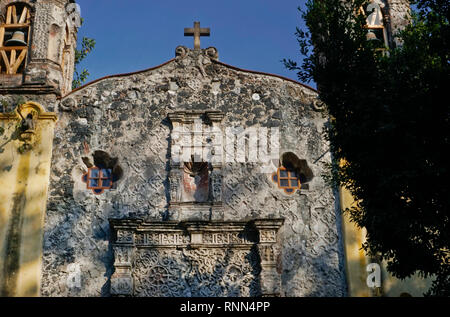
(270, 278)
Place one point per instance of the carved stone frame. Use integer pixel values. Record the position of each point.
(130, 235)
(212, 209)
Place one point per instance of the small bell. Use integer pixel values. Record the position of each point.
(18, 39)
(370, 36)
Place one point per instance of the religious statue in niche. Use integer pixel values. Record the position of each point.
(195, 182)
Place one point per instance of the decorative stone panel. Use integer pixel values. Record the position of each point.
(195, 258)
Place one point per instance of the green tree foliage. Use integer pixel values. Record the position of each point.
(389, 127)
(87, 45)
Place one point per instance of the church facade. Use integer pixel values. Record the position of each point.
(192, 178)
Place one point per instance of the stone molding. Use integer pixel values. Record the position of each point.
(28, 107)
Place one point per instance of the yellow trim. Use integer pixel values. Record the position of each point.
(27, 108)
(24, 180)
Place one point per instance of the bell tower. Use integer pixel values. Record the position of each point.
(37, 52)
(37, 46)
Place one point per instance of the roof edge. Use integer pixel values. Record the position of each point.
(267, 74)
(171, 60)
(115, 76)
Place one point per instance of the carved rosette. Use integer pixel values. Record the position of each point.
(159, 273)
(195, 258)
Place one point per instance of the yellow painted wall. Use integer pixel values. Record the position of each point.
(414, 285)
(356, 263)
(355, 259)
(24, 179)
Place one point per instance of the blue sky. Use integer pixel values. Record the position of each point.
(132, 35)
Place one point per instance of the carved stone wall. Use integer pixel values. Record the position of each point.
(128, 117)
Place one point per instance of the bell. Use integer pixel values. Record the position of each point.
(370, 36)
(18, 39)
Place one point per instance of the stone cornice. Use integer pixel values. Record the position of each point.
(200, 233)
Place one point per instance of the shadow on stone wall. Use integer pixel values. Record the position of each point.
(19, 246)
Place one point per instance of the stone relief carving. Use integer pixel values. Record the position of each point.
(159, 273)
(267, 254)
(200, 58)
(122, 255)
(216, 186)
(181, 51)
(199, 272)
(224, 272)
(226, 238)
(121, 286)
(195, 179)
(267, 236)
(195, 258)
(201, 61)
(175, 185)
(212, 52)
(124, 236)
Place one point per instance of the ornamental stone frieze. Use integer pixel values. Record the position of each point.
(195, 258)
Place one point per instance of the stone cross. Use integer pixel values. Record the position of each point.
(196, 32)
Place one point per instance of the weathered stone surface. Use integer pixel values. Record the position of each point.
(124, 122)
(397, 14)
(127, 117)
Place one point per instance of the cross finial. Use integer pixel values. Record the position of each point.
(196, 32)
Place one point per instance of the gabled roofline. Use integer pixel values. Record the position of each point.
(115, 76)
(267, 74)
(169, 61)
